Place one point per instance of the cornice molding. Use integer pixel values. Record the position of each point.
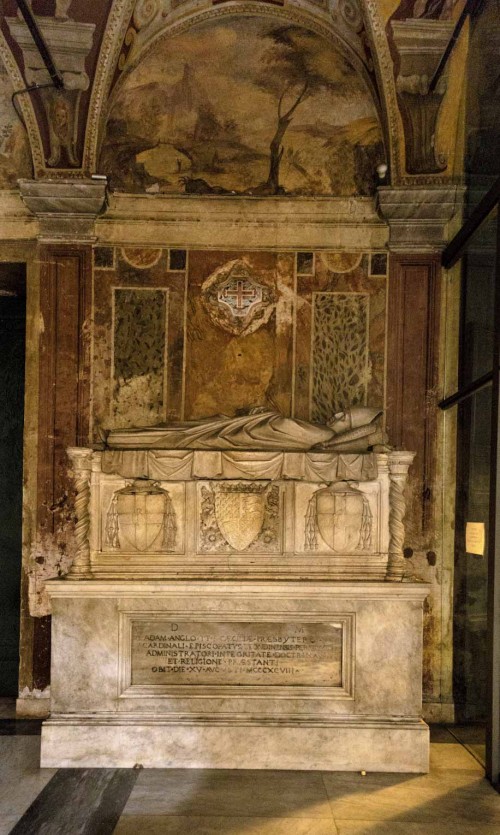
(261, 223)
(66, 209)
(417, 216)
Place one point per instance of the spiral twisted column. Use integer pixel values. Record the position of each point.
(399, 464)
(81, 460)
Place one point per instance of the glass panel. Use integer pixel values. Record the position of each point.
(478, 289)
(482, 157)
(471, 569)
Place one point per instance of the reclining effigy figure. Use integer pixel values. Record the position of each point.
(355, 430)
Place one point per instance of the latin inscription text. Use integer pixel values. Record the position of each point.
(180, 652)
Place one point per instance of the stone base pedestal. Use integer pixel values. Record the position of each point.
(226, 674)
(344, 744)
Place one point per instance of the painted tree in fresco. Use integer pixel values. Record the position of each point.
(293, 70)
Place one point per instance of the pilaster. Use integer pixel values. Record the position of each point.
(420, 220)
(63, 416)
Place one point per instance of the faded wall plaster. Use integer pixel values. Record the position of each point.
(207, 369)
(15, 155)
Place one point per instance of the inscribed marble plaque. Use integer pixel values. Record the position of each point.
(194, 652)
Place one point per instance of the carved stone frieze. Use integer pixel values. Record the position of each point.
(421, 44)
(187, 465)
(342, 518)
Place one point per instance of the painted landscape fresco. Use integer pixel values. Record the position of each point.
(15, 157)
(243, 106)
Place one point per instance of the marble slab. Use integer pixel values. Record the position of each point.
(342, 746)
(79, 800)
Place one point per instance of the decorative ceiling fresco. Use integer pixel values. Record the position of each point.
(15, 154)
(482, 127)
(55, 118)
(275, 74)
(425, 9)
(418, 33)
(243, 105)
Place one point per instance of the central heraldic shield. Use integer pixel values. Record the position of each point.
(239, 510)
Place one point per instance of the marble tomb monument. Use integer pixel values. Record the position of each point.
(237, 601)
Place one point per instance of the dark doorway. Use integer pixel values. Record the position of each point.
(12, 349)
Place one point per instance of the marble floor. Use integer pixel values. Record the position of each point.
(454, 798)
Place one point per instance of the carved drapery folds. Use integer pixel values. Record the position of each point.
(300, 525)
(420, 45)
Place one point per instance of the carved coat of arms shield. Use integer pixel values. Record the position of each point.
(239, 510)
(342, 515)
(141, 517)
